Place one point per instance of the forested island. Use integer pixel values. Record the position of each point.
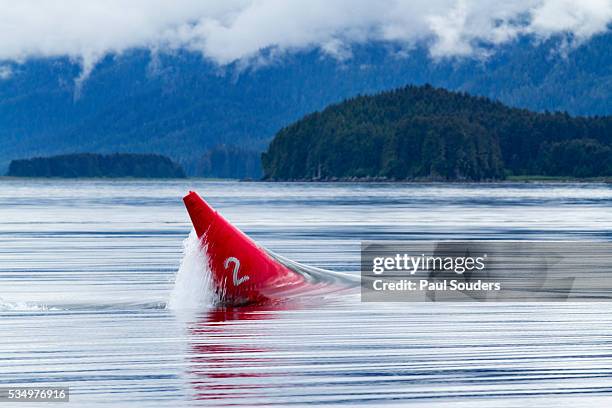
(427, 133)
(97, 165)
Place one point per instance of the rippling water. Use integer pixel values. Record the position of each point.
(87, 269)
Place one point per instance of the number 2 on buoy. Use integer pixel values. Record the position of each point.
(236, 262)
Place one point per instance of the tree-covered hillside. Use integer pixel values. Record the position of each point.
(97, 165)
(231, 162)
(431, 133)
(181, 105)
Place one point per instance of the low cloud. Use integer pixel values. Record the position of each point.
(226, 31)
(5, 72)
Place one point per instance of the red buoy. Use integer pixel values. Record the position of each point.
(242, 271)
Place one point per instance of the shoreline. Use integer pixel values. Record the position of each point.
(364, 180)
(509, 180)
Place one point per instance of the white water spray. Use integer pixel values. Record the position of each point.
(23, 306)
(193, 282)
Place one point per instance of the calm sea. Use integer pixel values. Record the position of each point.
(87, 269)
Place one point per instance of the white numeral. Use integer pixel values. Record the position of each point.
(236, 261)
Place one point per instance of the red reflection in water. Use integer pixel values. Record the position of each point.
(226, 353)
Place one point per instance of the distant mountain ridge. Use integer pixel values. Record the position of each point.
(183, 106)
(427, 133)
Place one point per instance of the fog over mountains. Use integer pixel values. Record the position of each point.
(210, 85)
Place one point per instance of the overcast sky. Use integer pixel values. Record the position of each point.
(230, 30)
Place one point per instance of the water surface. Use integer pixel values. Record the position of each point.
(87, 269)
